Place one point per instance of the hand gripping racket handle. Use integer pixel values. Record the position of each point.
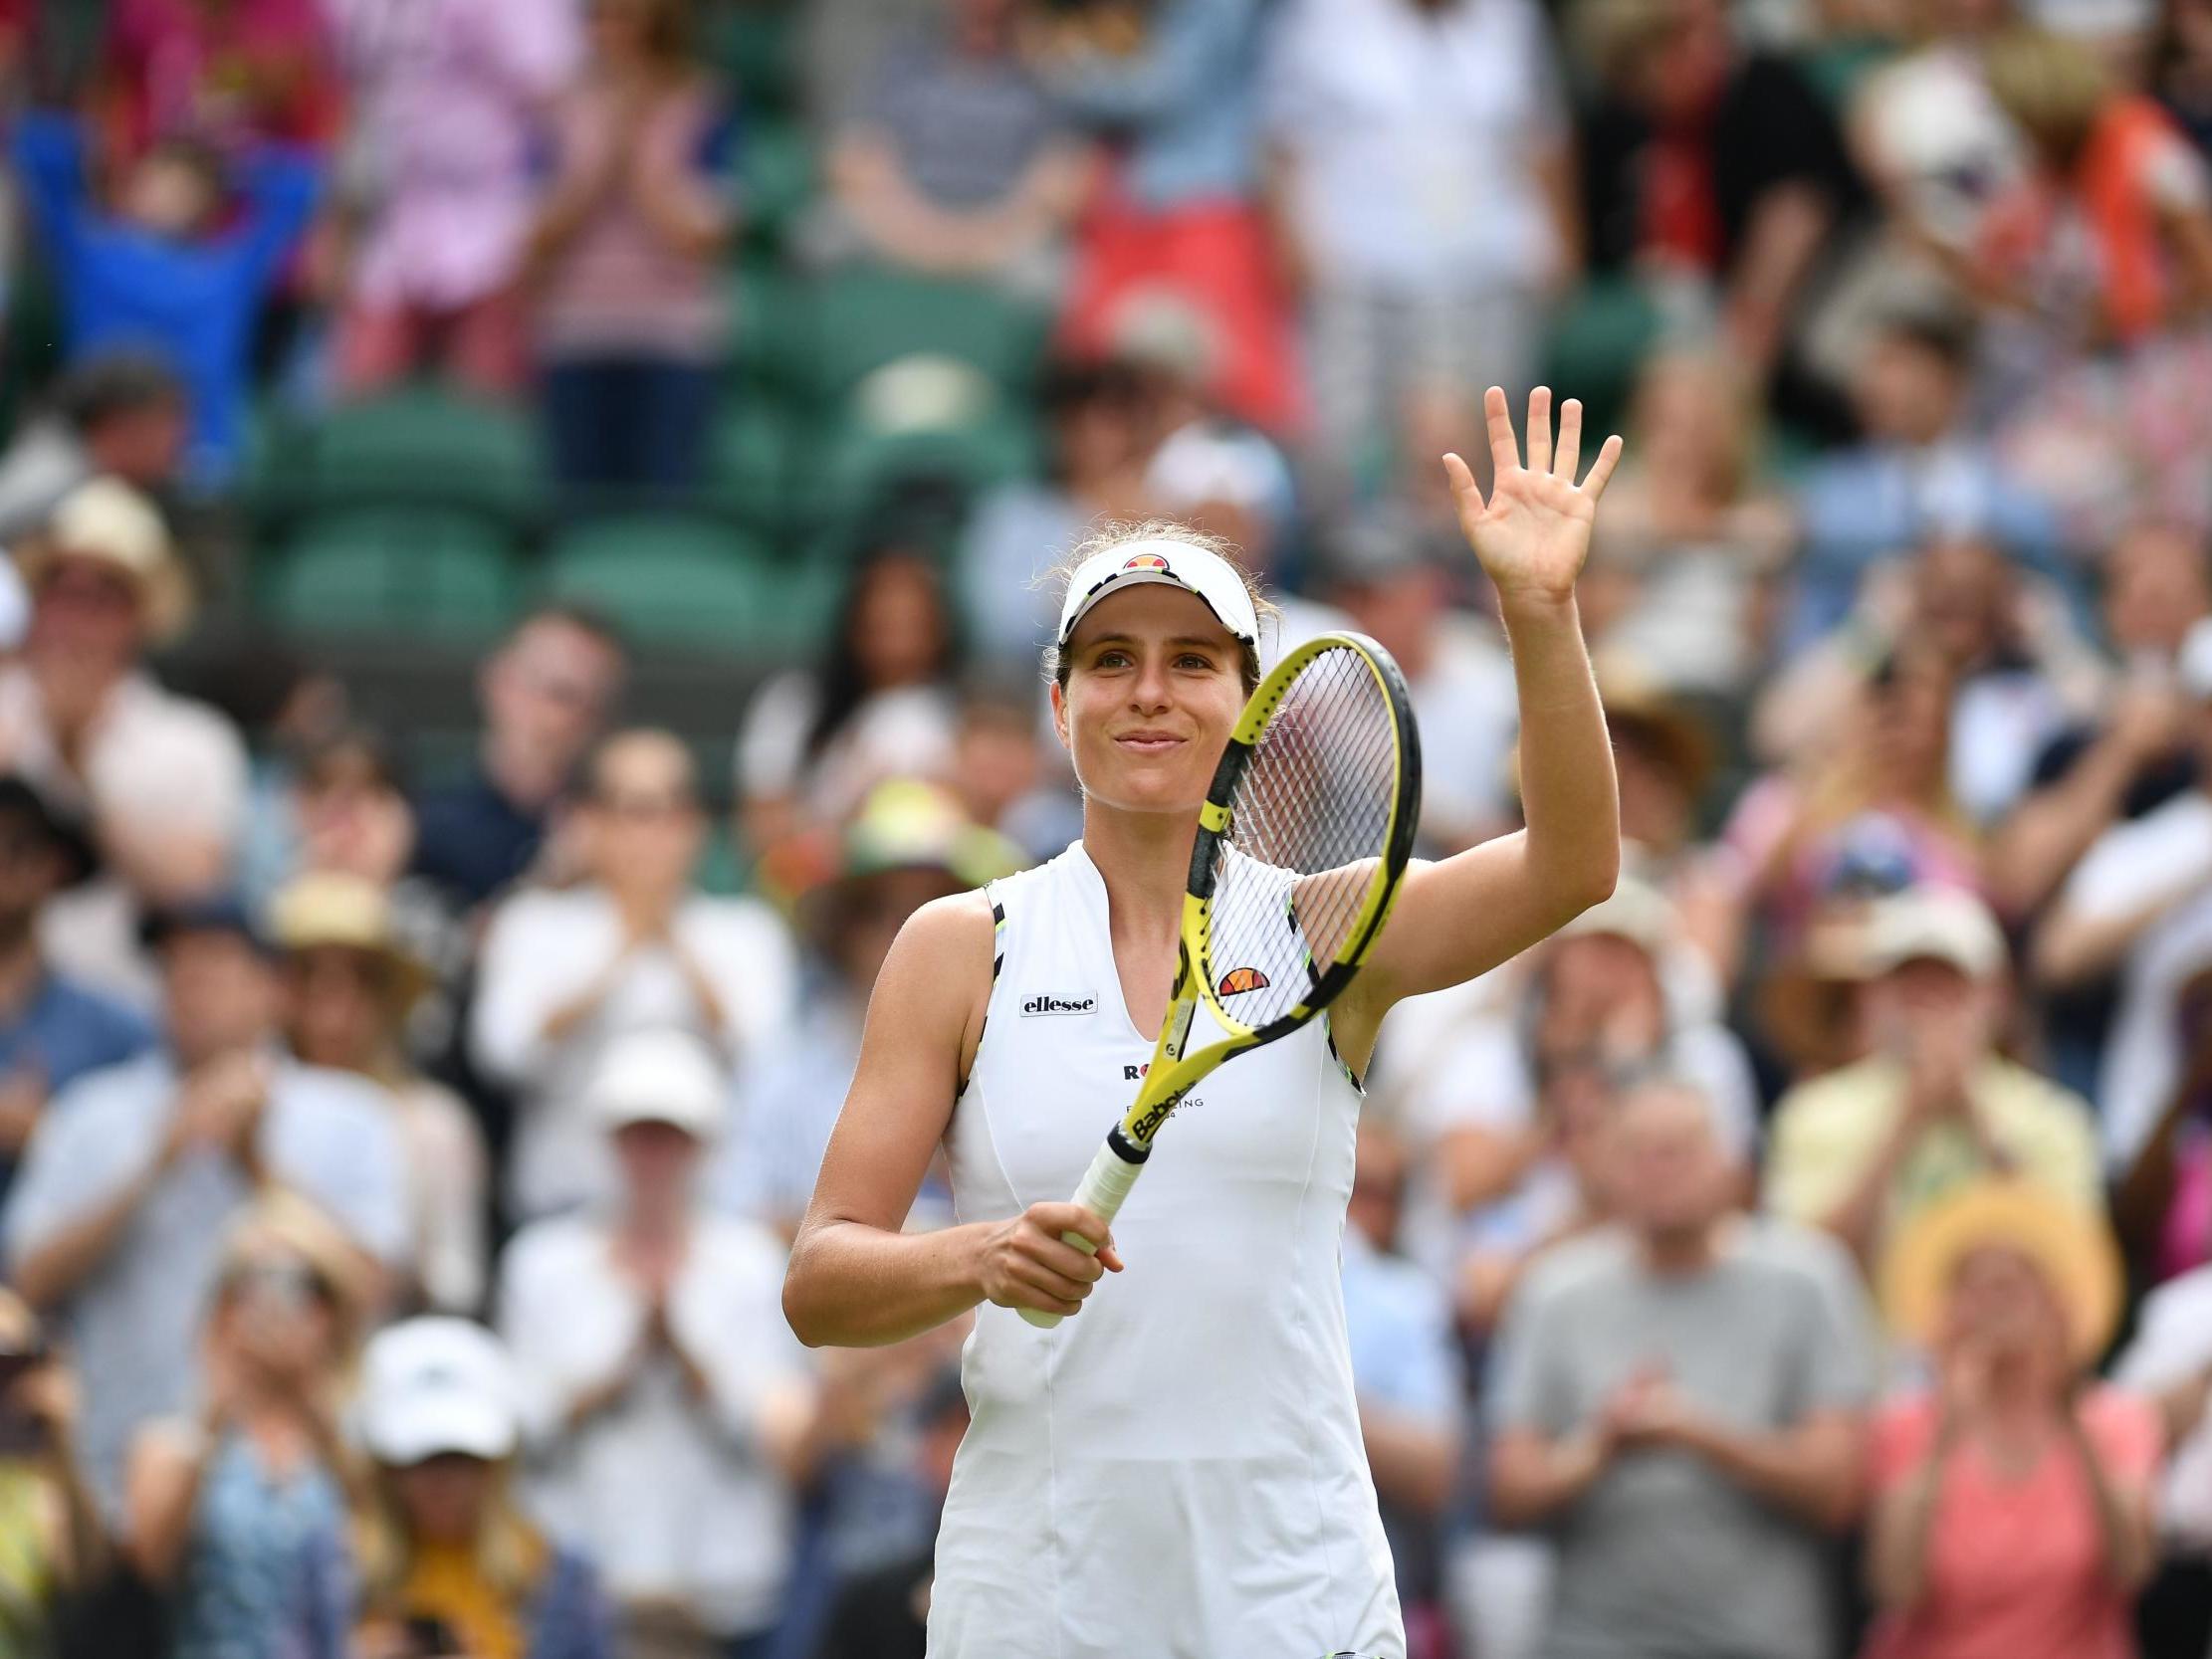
(1104, 1186)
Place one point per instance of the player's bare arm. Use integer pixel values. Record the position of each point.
(1463, 916)
(855, 1279)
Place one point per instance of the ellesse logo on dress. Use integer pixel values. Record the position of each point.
(1048, 1004)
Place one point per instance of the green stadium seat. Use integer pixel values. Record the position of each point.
(425, 573)
(689, 583)
(751, 460)
(776, 178)
(772, 329)
(867, 317)
(420, 445)
(754, 45)
(1599, 341)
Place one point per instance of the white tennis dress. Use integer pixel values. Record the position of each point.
(1176, 1472)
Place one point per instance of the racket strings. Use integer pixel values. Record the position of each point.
(1310, 823)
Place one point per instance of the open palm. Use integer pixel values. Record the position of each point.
(1533, 534)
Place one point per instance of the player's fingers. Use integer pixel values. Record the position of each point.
(1499, 419)
(1539, 430)
(1111, 1257)
(1054, 1219)
(1065, 1259)
(1461, 478)
(1602, 469)
(1564, 463)
(1037, 1277)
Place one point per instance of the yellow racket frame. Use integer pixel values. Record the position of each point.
(1174, 1073)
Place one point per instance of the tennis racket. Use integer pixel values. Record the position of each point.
(1302, 843)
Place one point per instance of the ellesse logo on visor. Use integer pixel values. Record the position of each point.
(1144, 562)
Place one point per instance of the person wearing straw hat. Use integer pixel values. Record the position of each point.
(1862, 1150)
(161, 779)
(447, 1564)
(2014, 1509)
(665, 1396)
(350, 985)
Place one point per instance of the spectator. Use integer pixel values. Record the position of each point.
(160, 268)
(2181, 69)
(1710, 170)
(1396, 583)
(1509, 1111)
(2169, 1360)
(1406, 1375)
(1683, 1399)
(119, 414)
(116, 1218)
(1882, 777)
(879, 703)
(52, 1030)
(666, 1395)
(2140, 903)
(952, 162)
(2136, 755)
(1174, 215)
(637, 947)
(2013, 1505)
(1919, 471)
(225, 73)
(1003, 776)
(350, 984)
(52, 1541)
(1093, 416)
(1419, 170)
(624, 257)
(162, 780)
(1681, 577)
(447, 1564)
(908, 845)
(1864, 1150)
(545, 695)
(453, 101)
(228, 1508)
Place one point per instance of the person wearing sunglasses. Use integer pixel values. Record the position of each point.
(229, 1509)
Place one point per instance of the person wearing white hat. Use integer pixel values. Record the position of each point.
(162, 780)
(664, 1395)
(446, 1564)
(1865, 1148)
(1008, 1023)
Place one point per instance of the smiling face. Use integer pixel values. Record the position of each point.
(1154, 685)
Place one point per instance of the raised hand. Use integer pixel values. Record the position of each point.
(1533, 534)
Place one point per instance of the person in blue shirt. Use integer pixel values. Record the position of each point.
(167, 266)
(52, 1031)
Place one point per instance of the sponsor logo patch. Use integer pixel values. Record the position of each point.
(1048, 1004)
(1144, 562)
(1240, 979)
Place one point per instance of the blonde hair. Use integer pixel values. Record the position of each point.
(509, 1553)
(2052, 87)
(1122, 532)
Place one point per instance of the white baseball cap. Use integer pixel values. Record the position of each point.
(1939, 924)
(1182, 564)
(437, 1385)
(658, 1076)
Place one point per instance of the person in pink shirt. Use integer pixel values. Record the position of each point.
(2013, 1500)
(625, 259)
(451, 97)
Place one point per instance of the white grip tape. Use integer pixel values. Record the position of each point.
(1103, 1187)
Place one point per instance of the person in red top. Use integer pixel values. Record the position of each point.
(224, 73)
(2013, 1511)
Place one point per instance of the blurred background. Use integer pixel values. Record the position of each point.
(530, 526)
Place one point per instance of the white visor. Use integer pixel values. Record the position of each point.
(1177, 564)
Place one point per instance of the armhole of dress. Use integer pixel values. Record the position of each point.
(997, 965)
(1328, 1036)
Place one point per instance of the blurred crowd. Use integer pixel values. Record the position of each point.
(1808, 1252)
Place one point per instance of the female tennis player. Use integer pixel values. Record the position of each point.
(1177, 1472)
